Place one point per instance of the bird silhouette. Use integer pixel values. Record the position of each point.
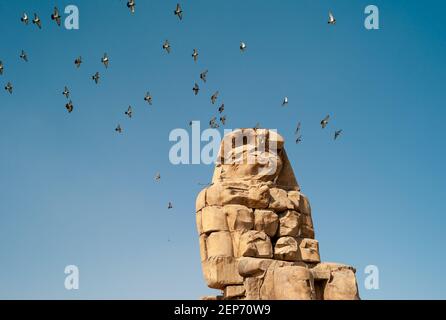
(129, 112)
(285, 102)
(131, 5)
(157, 177)
(166, 46)
(170, 206)
(331, 18)
(214, 97)
(24, 56)
(105, 60)
(221, 108)
(242, 46)
(37, 21)
(179, 12)
(298, 139)
(9, 87)
(223, 120)
(196, 88)
(66, 92)
(25, 18)
(56, 16)
(324, 121)
(78, 61)
(337, 134)
(148, 98)
(297, 128)
(1, 67)
(203, 75)
(195, 55)
(69, 106)
(118, 129)
(96, 77)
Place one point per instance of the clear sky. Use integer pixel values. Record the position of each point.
(72, 191)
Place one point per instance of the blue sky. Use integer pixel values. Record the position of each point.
(72, 191)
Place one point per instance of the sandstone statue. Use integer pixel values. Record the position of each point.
(255, 228)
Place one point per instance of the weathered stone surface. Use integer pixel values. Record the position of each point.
(200, 203)
(266, 221)
(308, 250)
(286, 248)
(239, 217)
(213, 218)
(279, 200)
(219, 244)
(289, 223)
(255, 244)
(253, 205)
(234, 291)
(220, 272)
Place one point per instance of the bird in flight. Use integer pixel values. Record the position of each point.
(324, 121)
(166, 46)
(297, 128)
(195, 55)
(24, 56)
(196, 88)
(337, 134)
(148, 98)
(170, 206)
(221, 108)
(331, 18)
(179, 12)
(9, 87)
(78, 61)
(131, 5)
(96, 77)
(203, 75)
(214, 97)
(37, 21)
(129, 112)
(285, 102)
(223, 120)
(242, 46)
(56, 16)
(118, 129)
(213, 123)
(24, 18)
(157, 177)
(298, 139)
(69, 106)
(105, 60)
(66, 92)
(1, 67)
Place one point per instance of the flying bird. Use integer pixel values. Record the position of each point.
(297, 128)
(298, 139)
(37, 21)
(96, 77)
(24, 56)
(118, 129)
(129, 112)
(56, 16)
(337, 134)
(170, 206)
(24, 18)
(148, 98)
(131, 5)
(66, 92)
(166, 46)
(221, 108)
(195, 55)
(331, 18)
(213, 123)
(324, 121)
(69, 106)
(223, 120)
(214, 97)
(105, 60)
(1, 67)
(78, 61)
(9, 87)
(157, 177)
(285, 102)
(179, 12)
(242, 46)
(196, 88)
(203, 75)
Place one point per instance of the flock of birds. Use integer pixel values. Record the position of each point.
(178, 12)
